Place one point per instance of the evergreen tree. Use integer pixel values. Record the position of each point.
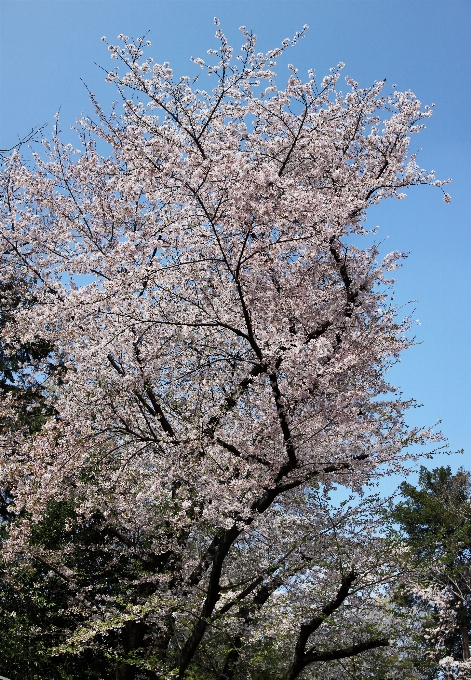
(435, 521)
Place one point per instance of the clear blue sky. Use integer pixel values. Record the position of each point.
(422, 45)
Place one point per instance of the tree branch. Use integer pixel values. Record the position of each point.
(307, 629)
(212, 596)
(346, 652)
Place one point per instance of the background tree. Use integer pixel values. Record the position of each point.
(435, 520)
(227, 359)
(32, 617)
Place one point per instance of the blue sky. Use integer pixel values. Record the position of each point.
(423, 45)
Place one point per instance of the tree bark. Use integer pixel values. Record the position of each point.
(463, 624)
(334, 655)
(231, 660)
(133, 638)
(465, 641)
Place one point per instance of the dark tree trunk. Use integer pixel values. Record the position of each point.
(231, 661)
(465, 641)
(463, 624)
(133, 636)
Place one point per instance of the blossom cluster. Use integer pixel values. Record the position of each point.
(226, 355)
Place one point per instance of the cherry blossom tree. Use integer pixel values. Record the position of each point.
(224, 342)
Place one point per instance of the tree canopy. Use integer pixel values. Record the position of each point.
(197, 271)
(435, 520)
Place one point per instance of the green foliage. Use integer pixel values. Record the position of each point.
(40, 609)
(32, 622)
(435, 517)
(19, 363)
(25, 604)
(435, 522)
